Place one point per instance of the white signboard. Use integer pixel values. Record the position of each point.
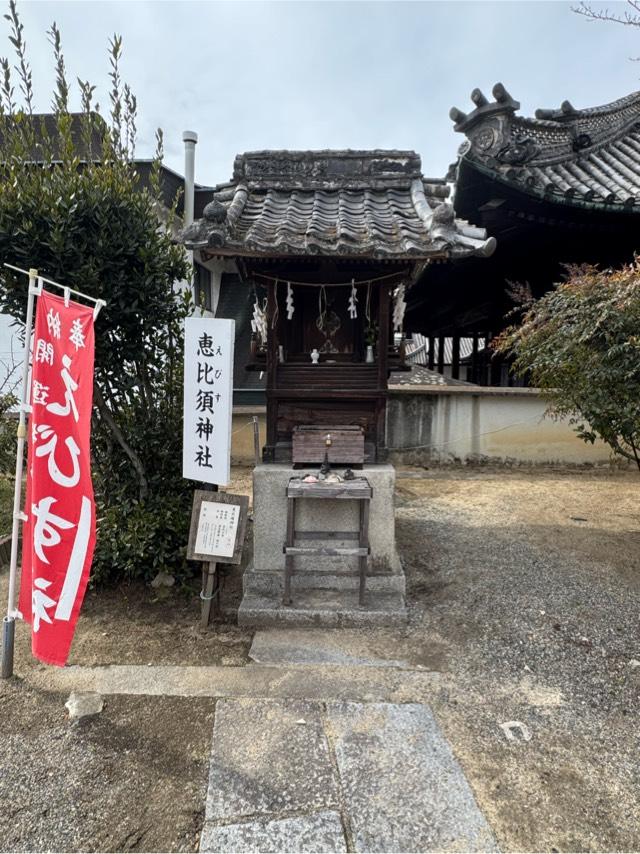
(217, 527)
(208, 399)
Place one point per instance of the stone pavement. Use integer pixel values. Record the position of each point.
(324, 743)
(292, 775)
(313, 682)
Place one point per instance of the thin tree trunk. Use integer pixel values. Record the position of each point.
(635, 453)
(145, 385)
(136, 462)
(623, 453)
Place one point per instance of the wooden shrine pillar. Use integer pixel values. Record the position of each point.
(441, 340)
(431, 358)
(384, 322)
(272, 367)
(487, 359)
(455, 357)
(474, 359)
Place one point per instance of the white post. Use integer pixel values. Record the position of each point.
(190, 138)
(8, 623)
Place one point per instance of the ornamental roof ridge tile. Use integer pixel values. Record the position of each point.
(349, 203)
(567, 110)
(587, 157)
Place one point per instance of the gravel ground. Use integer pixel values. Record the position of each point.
(523, 592)
(527, 583)
(133, 778)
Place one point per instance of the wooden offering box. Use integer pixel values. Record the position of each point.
(343, 444)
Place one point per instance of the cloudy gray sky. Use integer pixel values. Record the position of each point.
(248, 75)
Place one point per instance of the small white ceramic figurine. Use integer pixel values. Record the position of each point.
(315, 357)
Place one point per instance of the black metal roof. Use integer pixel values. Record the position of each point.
(172, 187)
(587, 158)
(357, 204)
(47, 144)
(46, 137)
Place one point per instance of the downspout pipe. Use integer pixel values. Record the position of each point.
(190, 138)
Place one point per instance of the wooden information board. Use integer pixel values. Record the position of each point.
(218, 525)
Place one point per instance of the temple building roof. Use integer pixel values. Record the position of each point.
(586, 158)
(353, 204)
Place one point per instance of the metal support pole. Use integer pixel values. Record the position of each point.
(8, 624)
(210, 575)
(256, 439)
(8, 636)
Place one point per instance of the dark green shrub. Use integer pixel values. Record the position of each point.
(580, 343)
(82, 217)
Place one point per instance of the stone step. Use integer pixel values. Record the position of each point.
(321, 607)
(264, 582)
(350, 648)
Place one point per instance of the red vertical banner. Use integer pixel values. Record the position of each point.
(59, 534)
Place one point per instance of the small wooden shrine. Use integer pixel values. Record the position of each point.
(330, 242)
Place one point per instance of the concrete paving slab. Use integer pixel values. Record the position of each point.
(402, 786)
(268, 757)
(311, 646)
(313, 682)
(321, 832)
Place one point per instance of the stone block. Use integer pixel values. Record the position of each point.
(330, 608)
(402, 786)
(271, 582)
(270, 518)
(309, 646)
(268, 758)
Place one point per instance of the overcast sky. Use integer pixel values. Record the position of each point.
(248, 75)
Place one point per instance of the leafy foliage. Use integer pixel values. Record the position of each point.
(6, 505)
(580, 343)
(81, 215)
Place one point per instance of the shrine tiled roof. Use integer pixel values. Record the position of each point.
(586, 158)
(358, 204)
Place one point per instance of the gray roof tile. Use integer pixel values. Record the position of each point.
(353, 204)
(581, 157)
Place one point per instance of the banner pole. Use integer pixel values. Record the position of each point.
(9, 622)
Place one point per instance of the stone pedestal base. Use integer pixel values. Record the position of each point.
(324, 585)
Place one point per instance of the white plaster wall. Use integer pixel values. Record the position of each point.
(506, 425)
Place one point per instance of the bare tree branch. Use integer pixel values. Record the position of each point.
(628, 19)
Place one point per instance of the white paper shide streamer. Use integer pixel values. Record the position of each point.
(399, 308)
(353, 299)
(290, 306)
(259, 322)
